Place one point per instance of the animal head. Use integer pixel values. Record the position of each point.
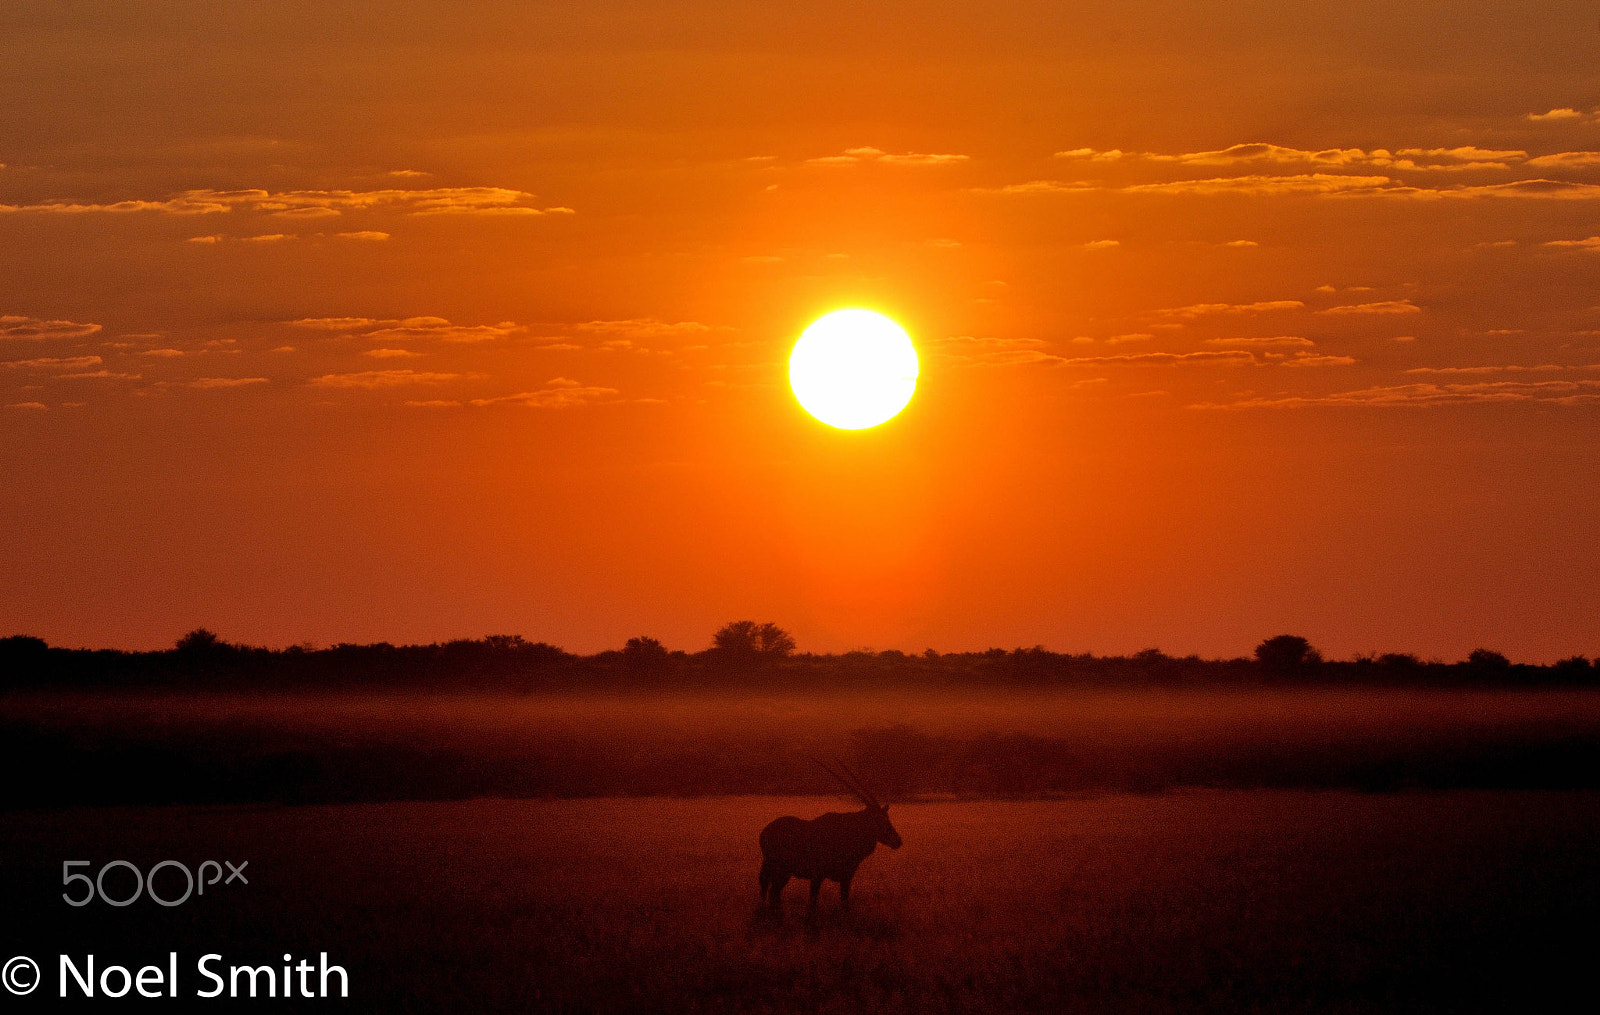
(884, 827)
(877, 814)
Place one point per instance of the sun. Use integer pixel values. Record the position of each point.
(853, 369)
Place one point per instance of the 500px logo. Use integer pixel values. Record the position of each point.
(21, 975)
(95, 887)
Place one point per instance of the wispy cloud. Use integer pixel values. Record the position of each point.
(311, 203)
(1196, 310)
(1423, 395)
(1263, 342)
(410, 329)
(207, 383)
(1458, 158)
(558, 393)
(1381, 307)
(14, 326)
(1207, 357)
(54, 363)
(966, 350)
(1311, 359)
(1591, 243)
(1556, 115)
(371, 379)
(1541, 368)
(856, 156)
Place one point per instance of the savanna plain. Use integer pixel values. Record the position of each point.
(1263, 900)
(1357, 849)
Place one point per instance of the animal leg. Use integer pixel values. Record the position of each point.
(766, 880)
(816, 890)
(844, 893)
(778, 882)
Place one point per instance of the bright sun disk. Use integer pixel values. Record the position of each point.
(853, 369)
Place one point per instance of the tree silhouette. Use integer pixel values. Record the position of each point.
(1488, 660)
(745, 639)
(644, 653)
(1286, 653)
(199, 641)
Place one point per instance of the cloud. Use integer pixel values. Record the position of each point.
(215, 238)
(102, 375)
(1591, 243)
(1464, 157)
(13, 326)
(1424, 395)
(1195, 310)
(1209, 358)
(1241, 243)
(1311, 359)
(1263, 342)
(641, 329)
(367, 235)
(1567, 160)
(965, 350)
(1564, 113)
(313, 203)
(1137, 336)
(1542, 368)
(558, 393)
(334, 323)
(30, 406)
(54, 363)
(163, 353)
(1042, 187)
(1385, 307)
(1091, 155)
(856, 156)
(1305, 184)
(380, 379)
(391, 353)
(266, 238)
(1102, 244)
(225, 382)
(409, 329)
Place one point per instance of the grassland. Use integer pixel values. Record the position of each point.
(1263, 900)
(132, 748)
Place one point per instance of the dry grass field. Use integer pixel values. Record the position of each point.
(1203, 900)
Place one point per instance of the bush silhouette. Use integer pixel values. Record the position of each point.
(1488, 661)
(644, 653)
(1286, 653)
(745, 639)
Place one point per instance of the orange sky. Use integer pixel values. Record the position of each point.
(330, 322)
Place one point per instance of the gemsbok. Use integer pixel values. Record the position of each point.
(826, 848)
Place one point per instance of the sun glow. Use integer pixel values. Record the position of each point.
(853, 369)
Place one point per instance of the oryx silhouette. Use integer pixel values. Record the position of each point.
(826, 848)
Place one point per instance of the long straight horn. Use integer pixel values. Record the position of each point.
(842, 780)
(866, 795)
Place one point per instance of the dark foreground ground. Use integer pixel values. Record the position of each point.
(1225, 900)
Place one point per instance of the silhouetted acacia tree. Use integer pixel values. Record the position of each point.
(746, 639)
(199, 641)
(1488, 661)
(1286, 653)
(644, 653)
